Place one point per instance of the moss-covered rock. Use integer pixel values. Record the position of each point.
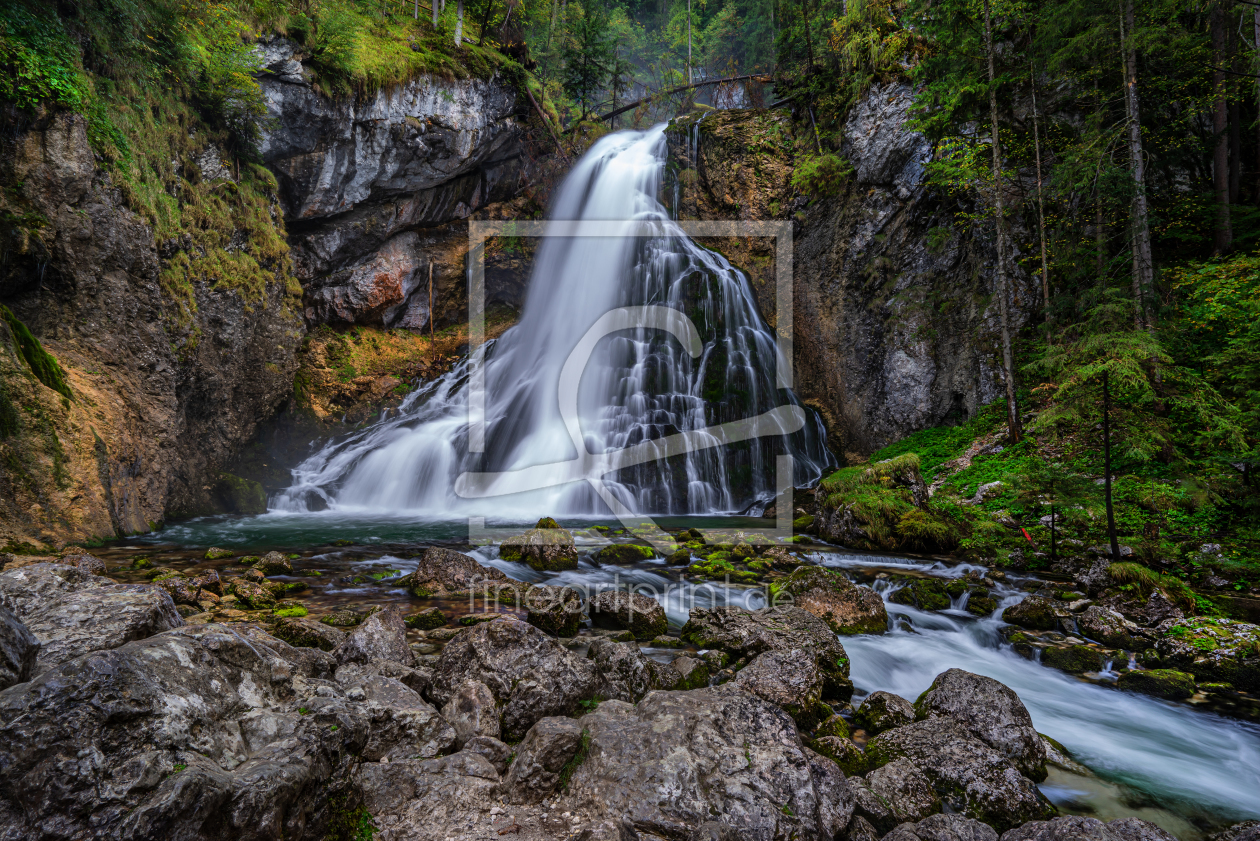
(882, 711)
(852, 761)
(307, 633)
(214, 553)
(846, 607)
(1214, 650)
(1162, 683)
(274, 563)
(981, 605)
(624, 553)
(1035, 613)
(833, 726)
(923, 593)
(343, 619)
(240, 496)
(425, 620)
(251, 595)
(543, 549)
(617, 609)
(1075, 659)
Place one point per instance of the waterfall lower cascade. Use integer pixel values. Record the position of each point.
(640, 384)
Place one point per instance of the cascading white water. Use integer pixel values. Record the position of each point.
(638, 386)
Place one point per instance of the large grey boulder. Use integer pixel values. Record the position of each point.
(557, 610)
(18, 650)
(208, 732)
(72, 612)
(1245, 831)
(430, 799)
(905, 792)
(401, 724)
(788, 679)
(542, 757)
(1109, 628)
(943, 828)
(530, 674)
(882, 711)
(440, 572)
(676, 759)
(472, 712)
(970, 777)
(745, 634)
(625, 673)
(843, 605)
(382, 636)
(1078, 828)
(991, 712)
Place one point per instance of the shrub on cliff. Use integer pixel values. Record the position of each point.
(884, 506)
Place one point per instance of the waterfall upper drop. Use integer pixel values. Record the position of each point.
(639, 385)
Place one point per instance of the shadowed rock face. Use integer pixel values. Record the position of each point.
(895, 326)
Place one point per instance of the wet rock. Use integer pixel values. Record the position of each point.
(1075, 659)
(1108, 627)
(401, 724)
(1145, 611)
(426, 620)
(18, 650)
(429, 799)
(1245, 831)
(718, 751)
(835, 800)
(440, 572)
(991, 712)
(209, 582)
(907, 792)
(304, 632)
(944, 828)
(847, 756)
(214, 553)
(259, 726)
(274, 563)
(743, 633)
(623, 554)
(88, 563)
(342, 619)
(72, 612)
(542, 757)
(882, 711)
(1035, 613)
(1215, 650)
(970, 777)
(683, 673)
(542, 548)
(383, 636)
(923, 593)
(625, 674)
(1161, 683)
(556, 610)
(844, 606)
(251, 595)
(530, 674)
(781, 558)
(183, 591)
(788, 679)
(981, 604)
(472, 712)
(495, 752)
(639, 614)
(1078, 828)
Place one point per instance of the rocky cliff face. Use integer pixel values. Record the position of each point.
(164, 393)
(895, 323)
(374, 189)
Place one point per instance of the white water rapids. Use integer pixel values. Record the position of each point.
(639, 386)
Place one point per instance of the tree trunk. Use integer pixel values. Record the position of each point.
(1053, 546)
(1041, 222)
(1143, 264)
(1008, 362)
(1111, 515)
(1224, 236)
(809, 43)
(1255, 30)
(435, 10)
(689, 79)
(459, 22)
(485, 22)
(1235, 116)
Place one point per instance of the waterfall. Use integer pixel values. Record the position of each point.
(639, 385)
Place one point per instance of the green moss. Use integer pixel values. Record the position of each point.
(216, 554)
(42, 364)
(240, 496)
(923, 593)
(290, 612)
(1162, 683)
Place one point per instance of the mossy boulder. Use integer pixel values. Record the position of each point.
(624, 553)
(214, 553)
(543, 548)
(1214, 650)
(274, 563)
(639, 614)
(843, 605)
(1036, 613)
(680, 558)
(852, 761)
(343, 619)
(239, 496)
(1075, 659)
(556, 610)
(1162, 683)
(425, 620)
(304, 632)
(882, 711)
(833, 726)
(981, 605)
(923, 593)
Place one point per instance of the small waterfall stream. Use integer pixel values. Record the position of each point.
(639, 386)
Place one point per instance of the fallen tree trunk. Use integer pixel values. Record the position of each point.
(623, 109)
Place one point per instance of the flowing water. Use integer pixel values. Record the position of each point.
(637, 387)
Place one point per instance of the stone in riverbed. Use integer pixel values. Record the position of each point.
(440, 572)
(425, 620)
(530, 674)
(18, 650)
(342, 619)
(991, 712)
(971, 778)
(1108, 627)
(214, 553)
(923, 593)
(1215, 650)
(623, 554)
(843, 605)
(1245, 831)
(843, 752)
(882, 711)
(251, 595)
(1035, 613)
(304, 632)
(545, 547)
(907, 792)
(183, 591)
(72, 612)
(1162, 683)
(716, 751)
(274, 563)
(745, 633)
(1078, 828)
(637, 613)
(788, 679)
(383, 636)
(1074, 659)
(556, 610)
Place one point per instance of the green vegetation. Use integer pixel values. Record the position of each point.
(570, 767)
(42, 364)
